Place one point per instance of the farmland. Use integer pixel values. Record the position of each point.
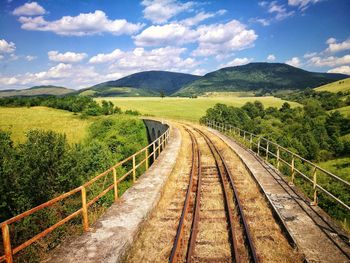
(19, 120)
(186, 108)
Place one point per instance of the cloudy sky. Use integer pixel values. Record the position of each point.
(80, 43)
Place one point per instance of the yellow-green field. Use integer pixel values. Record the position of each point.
(340, 85)
(344, 110)
(185, 108)
(20, 120)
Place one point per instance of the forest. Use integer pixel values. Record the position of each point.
(77, 104)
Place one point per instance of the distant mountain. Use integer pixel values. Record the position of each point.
(258, 77)
(147, 83)
(37, 91)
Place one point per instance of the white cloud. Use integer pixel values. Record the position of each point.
(295, 62)
(29, 9)
(331, 40)
(201, 16)
(271, 57)
(223, 38)
(165, 58)
(169, 34)
(329, 61)
(81, 25)
(68, 57)
(302, 4)
(310, 55)
(61, 74)
(200, 72)
(1, 57)
(7, 47)
(342, 69)
(237, 62)
(159, 11)
(30, 58)
(334, 47)
(103, 58)
(262, 21)
(280, 11)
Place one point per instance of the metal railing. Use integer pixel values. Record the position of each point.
(281, 154)
(150, 151)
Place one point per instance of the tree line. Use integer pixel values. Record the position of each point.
(77, 104)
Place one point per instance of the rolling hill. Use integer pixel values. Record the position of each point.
(336, 86)
(147, 83)
(258, 77)
(36, 91)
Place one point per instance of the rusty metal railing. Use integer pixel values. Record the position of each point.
(272, 149)
(151, 151)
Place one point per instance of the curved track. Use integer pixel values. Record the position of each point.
(191, 241)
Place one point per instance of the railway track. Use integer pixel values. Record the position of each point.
(212, 226)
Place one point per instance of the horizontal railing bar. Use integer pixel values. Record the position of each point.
(303, 159)
(100, 195)
(39, 207)
(334, 197)
(295, 156)
(45, 232)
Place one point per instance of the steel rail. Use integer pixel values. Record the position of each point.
(195, 219)
(176, 255)
(250, 243)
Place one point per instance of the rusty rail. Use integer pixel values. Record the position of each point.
(254, 143)
(249, 240)
(176, 252)
(156, 146)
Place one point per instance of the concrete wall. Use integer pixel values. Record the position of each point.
(154, 129)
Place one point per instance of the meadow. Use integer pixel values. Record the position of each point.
(345, 111)
(341, 85)
(19, 120)
(186, 108)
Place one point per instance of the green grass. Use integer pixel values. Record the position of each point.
(185, 108)
(20, 120)
(339, 85)
(339, 166)
(344, 110)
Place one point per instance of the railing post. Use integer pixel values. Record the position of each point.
(115, 184)
(293, 172)
(146, 158)
(259, 145)
(251, 141)
(243, 135)
(154, 151)
(278, 157)
(314, 175)
(267, 151)
(159, 145)
(85, 209)
(133, 169)
(7, 243)
(163, 141)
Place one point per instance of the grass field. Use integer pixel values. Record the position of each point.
(344, 110)
(340, 167)
(20, 120)
(340, 85)
(185, 108)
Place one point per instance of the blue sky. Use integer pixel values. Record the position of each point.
(77, 44)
